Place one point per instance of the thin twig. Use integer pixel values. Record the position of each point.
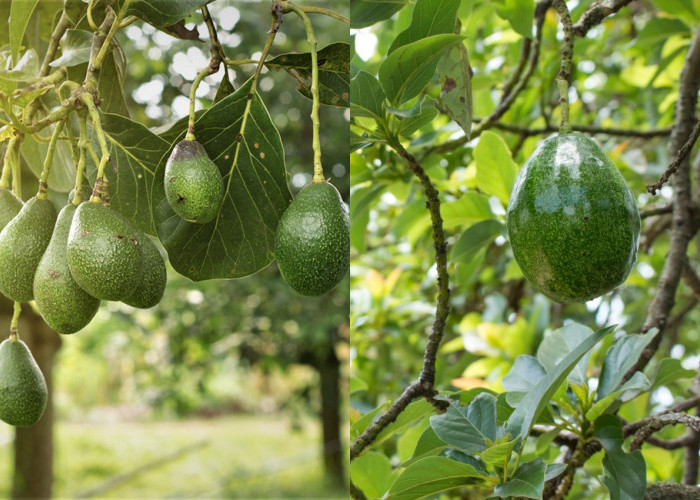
(589, 129)
(673, 166)
(595, 15)
(659, 422)
(651, 212)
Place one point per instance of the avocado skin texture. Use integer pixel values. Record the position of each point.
(154, 277)
(193, 184)
(10, 206)
(312, 243)
(23, 392)
(22, 244)
(63, 304)
(104, 252)
(572, 221)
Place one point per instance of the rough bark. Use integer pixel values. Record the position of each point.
(333, 459)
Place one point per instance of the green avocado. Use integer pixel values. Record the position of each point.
(572, 221)
(22, 243)
(23, 392)
(312, 243)
(104, 252)
(193, 184)
(63, 304)
(10, 206)
(154, 277)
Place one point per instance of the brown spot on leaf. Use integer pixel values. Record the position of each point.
(449, 85)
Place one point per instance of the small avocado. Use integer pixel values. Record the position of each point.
(63, 304)
(312, 243)
(150, 291)
(193, 184)
(23, 392)
(572, 221)
(104, 252)
(10, 206)
(22, 243)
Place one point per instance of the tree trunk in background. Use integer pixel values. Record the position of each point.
(33, 473)
(329, 371)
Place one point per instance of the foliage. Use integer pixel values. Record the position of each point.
(518, 375)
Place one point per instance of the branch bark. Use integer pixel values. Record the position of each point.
(596, 13)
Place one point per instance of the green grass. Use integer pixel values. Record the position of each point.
(239, 457)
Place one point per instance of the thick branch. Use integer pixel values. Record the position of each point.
(596, 13)
(659, 422)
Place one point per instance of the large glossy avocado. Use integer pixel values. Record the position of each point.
(193, 184)
(63, 304)
(150, 290)
(572, 221)
(22, 244)
(312, 243)
(23, 393)
(10, 206)
(104, 252)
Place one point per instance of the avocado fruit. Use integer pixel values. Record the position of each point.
(104, 252)
(312, 242)
(150, 290)
(23, 392)
(10, 206)
(572, 220)
(22, 244)
(193, 184)
(63, 304)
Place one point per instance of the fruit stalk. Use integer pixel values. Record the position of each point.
(190, 124)
(567, 53)
(48, 161)
(87, 99)
(311, 38)
(80, 171)
(14, 331)
(104, 40)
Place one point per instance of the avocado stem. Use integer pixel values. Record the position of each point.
(14, 331)
(567, 54)
(315, 101)
(7, 161)
(190, 123)
(80, 171)
(87, 99)
(48, 162)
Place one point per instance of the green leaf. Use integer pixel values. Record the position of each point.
(519, 13)
(456, 86)
(413, 413)
(528, 481)
(357, 385)
(414, 123)
(365, 13)
(360, 204)
(529, 409)
(361, 424)
(162, 13)
(429, 444)
(625, 473)
(111, 85)
(135, 155)
(481, 412)
(371, 473)
(75, 10)
(407, 70)
(498, 454)
(625, 392)
(62, 174)
(225, 88)
(333, 73)
(557, 344)
(495, 168)
(241, 240)
(554, 470)
(26, 69)
(621, 357)
(429, 476)
(366, 96)
(20, 12)
(430, 17)
(474, 239)
(524, 375)
(455, 429)
(75, 49)
(470, 208)
(23, 99)
(670, 369)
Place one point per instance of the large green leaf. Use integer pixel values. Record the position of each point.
(557, 344)
(407, 70)
(620, 358)
(456, 86)
(455, 428)
(474, 239)
(333, 73)
(669, 370)
(20, 12)
(528, 481)
(637, 383)
(519, 13)
(371, 473)
(527, 411)
(470, 208)
(625, 473)
(414, 412)
(429, 476)
(241, 240)
(430, 17)
(162, 13)
(75, 48)
(26, 69)
(495, 169)
(62, 174)
(135, 154)
(366, 96)
(364, 13)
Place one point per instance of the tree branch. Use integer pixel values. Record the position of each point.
(659, 422)
(590, 129)
(595, 15)
(673, 166)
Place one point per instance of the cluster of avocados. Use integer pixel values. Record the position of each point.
(572, 221)
(68, 263)
(312, 242)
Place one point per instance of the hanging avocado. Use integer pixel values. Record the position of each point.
(572, 221)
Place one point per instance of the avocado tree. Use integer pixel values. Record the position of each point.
(524, 331)
(105, 194)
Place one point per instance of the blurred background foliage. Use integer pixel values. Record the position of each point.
(625, 77)
(137, 384)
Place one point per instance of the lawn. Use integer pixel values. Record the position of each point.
(228, 457)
